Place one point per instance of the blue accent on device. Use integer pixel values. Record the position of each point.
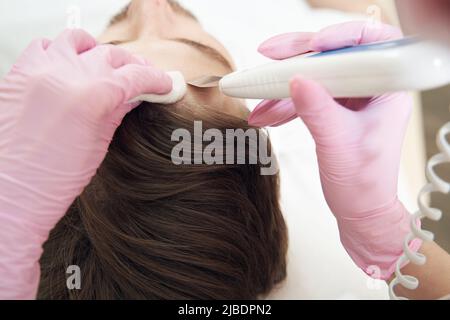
(369, 47)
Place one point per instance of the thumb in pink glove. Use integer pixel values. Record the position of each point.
(59, 108)
(358, 146)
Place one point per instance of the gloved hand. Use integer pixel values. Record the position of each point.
(358, 145)
(59, 107)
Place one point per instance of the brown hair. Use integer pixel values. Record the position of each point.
(145, 228)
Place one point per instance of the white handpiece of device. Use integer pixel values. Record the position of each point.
(360, 71)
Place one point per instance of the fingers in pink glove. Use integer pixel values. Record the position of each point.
(309, 100)
(117, 57)
(136, 80)
(39, 45)
(273, 113)
(316, 107)
(286, 45)
(133, 74)
(33, 53)
(352, 34)
(139, 79)
(342, 35)
(73, 41)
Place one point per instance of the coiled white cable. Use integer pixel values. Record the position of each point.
(436, 184)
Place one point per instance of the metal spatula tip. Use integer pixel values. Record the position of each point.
(205, 82)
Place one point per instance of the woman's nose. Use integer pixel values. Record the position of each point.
(154, 17)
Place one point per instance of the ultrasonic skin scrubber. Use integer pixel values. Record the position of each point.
(360, 71)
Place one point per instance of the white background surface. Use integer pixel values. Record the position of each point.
(319, 268)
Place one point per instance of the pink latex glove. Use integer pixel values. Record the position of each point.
(59, 107)
(358, 145)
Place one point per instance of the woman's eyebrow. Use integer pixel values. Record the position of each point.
(119, 16)
(207, 50)
(203, 48)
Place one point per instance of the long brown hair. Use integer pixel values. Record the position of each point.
(148, 229)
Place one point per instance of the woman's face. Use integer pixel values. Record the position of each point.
(172, 39)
